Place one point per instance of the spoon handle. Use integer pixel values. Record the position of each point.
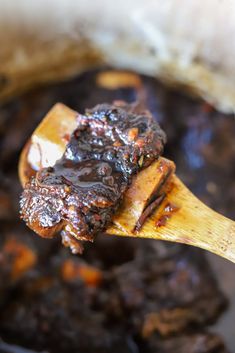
(192, 223)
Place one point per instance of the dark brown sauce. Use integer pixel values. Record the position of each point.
(166, 214)
(80, 193)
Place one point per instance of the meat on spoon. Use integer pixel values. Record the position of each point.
(156, 204)
(80, 193)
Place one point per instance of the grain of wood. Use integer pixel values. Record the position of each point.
(193, 224)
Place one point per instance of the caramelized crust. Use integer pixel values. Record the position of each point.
(81, 192)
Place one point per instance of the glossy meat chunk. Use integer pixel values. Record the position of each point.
(80, 193)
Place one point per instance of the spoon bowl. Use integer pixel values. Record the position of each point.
(157, 205)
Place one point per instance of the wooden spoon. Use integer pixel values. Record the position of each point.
(179, 217)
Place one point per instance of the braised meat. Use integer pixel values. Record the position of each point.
(80, 193)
